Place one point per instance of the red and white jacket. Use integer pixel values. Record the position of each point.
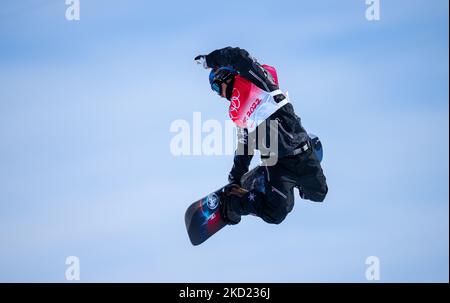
(251, 105)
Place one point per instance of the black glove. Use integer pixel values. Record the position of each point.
(231, 206)
(201, 59)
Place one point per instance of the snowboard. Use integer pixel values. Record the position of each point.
(203, 218)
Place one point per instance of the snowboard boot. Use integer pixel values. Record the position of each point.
(231, 204)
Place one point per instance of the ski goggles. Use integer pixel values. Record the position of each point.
(219, 76)
(217, 88)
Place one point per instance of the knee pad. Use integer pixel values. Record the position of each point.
(275, 218)
(275, 212)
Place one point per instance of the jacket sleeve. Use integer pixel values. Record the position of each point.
(242, 157)
(247, 66)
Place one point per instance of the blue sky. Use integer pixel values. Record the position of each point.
(86, 169)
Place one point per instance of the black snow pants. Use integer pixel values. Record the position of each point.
(271, 194)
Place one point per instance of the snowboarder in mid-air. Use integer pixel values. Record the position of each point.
(255, 100)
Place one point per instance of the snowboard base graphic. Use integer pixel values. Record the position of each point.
(203, 218)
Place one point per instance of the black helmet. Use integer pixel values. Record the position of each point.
(219, 76)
